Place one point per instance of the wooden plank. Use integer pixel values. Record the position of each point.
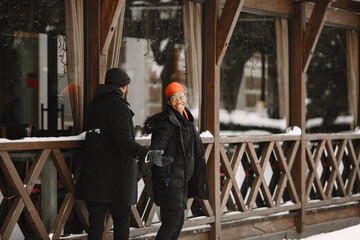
(226, 25)
(337, 17)
(150, 212)
(11, 219)
(259, 212)
(18, 205)
(335, 173)
(333, 213)
(259, 181)
(313, 175)
(286, 167)
(109, 17)
(333, 201)
(63, 170)
(347, 5)
(259, 139)
(206, 207)
(94, 27)
(35, 144)
(355, 172)
(63, 215)
(298, 101)
(276, 6)
(18, 187)
(287, 8)
(225, 194)
(35, 169)
(313, 30)
(82, 213)
(137, 217)
(234, 186)
(287, 137)
(212, 87)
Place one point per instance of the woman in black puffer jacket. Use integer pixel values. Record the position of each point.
(173, 131)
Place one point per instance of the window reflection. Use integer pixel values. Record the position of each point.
(252, 74)
(32, 68)
(152, 53)
(327, 89)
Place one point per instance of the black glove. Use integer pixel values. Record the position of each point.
(155, 157)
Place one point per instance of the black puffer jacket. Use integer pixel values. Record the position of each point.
(109, 165)
(170, 185)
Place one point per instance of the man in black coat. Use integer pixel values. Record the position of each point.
(109, 172)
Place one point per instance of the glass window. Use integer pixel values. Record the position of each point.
(152, 54)
(326, 86)
(254, 77)
(32, 63)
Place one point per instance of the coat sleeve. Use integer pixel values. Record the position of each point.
(120, 123)
(161, 135)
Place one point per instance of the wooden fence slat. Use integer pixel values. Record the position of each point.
(335, 173)
(18, 187)
(313, 176)
(62, 216)
(287, 178)
(355, 171)
(229, 172)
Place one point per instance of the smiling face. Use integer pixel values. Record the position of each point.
(177, 101)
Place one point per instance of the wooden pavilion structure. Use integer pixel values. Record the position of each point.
(298, 156)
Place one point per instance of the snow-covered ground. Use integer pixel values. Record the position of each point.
(350, 233)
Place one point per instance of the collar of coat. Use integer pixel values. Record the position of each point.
(104, 89)
(168, 114)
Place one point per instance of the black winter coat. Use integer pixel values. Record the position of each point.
(109, 166)
(170, 185)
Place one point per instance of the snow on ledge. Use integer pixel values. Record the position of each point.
(206, 134)
(79, 137)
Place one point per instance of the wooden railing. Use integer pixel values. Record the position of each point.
(257, 175)
(333, 174)
(21, 185)
(256, 181)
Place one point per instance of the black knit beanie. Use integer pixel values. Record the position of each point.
(117, 77)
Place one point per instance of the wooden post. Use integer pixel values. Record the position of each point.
(103, 17)
(298, 93)
(212, 114)
(94, 45)
(305, 40)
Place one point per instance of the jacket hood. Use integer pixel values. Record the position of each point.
(168, 114)
(104, 89)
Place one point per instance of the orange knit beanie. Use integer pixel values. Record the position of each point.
(173, 87)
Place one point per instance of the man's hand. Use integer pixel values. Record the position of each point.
(155, 157)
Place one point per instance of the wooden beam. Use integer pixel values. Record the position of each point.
(212, 106)
(285, 7)
(313, 30)
(337, 17)
(103, 17)
(226, 25)
(94, 45)
(298, 110)
(110, 13)
(347, 5)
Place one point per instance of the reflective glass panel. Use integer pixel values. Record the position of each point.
(326, 87)
(253, 95)
(32, 68)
